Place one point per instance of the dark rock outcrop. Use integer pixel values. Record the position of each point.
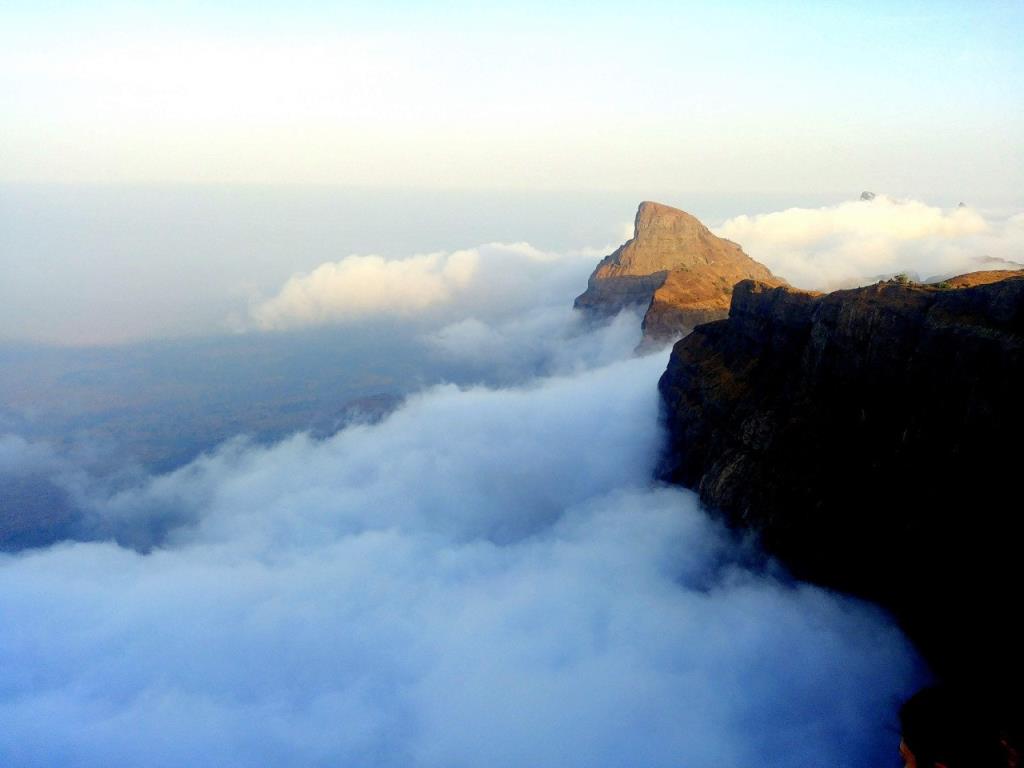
(675, 268)
(872, 439)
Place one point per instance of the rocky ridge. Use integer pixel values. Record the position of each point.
(871, 439)
(675, 268)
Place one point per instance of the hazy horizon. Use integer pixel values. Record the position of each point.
(96, 265)
(199, 155)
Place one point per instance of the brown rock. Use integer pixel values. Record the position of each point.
(676, 268)
(982, 278)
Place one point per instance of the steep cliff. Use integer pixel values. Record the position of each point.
(872, 439)
(675, 268)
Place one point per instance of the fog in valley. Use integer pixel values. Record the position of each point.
(485, 576)
(399, 510)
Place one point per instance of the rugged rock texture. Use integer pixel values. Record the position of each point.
(689, 298)
(674, 266)
(872, 438)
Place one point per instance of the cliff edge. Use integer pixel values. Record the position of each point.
(871, 439)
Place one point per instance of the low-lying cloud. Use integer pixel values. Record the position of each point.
(358, 286)
(485, 578)
(489, 280)
(856, 242)
(543, 341)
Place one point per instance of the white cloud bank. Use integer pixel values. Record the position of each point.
(358, 286)
(489, 280)
(855, 242)
(852, 243)
(485, 578)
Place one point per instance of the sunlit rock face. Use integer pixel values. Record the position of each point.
(871, 438)
(676, 268)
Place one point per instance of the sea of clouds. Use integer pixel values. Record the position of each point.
(487, 577)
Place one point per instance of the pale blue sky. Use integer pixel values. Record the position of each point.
(918, 99)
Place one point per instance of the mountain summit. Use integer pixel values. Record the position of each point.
(674, 266)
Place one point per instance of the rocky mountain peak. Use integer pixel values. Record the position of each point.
(675, 267)
(664, 238)
(656, 220)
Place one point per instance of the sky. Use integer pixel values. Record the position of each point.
(915, 99)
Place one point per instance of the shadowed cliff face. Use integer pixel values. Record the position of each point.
(871, 437)
(675, 267)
